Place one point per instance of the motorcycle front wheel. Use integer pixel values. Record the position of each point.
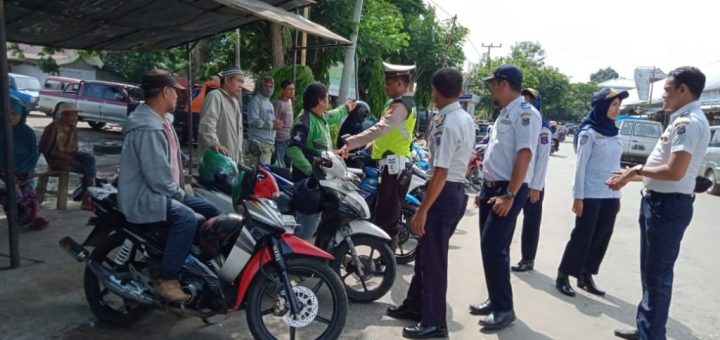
(322, 297)
(407, 241)
(378, 264)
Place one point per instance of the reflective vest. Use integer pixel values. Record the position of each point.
(398, 140)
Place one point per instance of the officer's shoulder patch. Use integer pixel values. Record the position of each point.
(524, 105)
(439, 120)
(544, 138)
(526, 121)
(680, 129)
(526, 114)
(583, 139)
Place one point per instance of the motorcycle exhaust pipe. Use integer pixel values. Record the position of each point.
(128, 290)
(74, 249)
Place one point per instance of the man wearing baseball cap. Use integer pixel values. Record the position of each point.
(508, 169)
(221, 126)
(150, 186)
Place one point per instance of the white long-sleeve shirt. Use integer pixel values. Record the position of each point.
(597, 157)
(542, 157)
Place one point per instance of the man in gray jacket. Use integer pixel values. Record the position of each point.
(150, 187)
(262, 123)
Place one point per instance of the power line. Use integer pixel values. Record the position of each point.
(474, 48)
(439, 7)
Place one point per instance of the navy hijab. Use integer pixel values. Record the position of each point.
(25, 147)
(537, 103)
(597, 119)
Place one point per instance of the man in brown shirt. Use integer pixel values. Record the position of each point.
(59, 144)
(284, 112)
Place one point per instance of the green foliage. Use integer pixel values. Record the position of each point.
(561, 100)
(376, 88)
(46, 63)
(132, 65)
(303, 78)
(604, 74)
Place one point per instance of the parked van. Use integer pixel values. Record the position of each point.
(710, 167)
(25, 88)
(639, 138)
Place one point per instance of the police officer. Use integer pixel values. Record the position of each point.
(667, 205)
(532, 211)
(391, 138)
(451, 143)
(507, 171)
(599, 148)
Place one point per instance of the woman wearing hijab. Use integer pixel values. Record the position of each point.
(26, 155)
(598, 149)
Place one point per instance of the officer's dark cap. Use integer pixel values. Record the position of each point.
(506, 72)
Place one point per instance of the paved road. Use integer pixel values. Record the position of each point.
(543, 313)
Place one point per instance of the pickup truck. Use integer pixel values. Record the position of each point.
(99, 102)
(53, 85)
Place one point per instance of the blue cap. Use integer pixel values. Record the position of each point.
(608, 93)
(507, 72)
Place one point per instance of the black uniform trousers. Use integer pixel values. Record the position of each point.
(496, 234)
(428, 287)
(390, 196)
(590, 237)
(532, 216)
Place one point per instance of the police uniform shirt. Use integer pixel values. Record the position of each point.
(516, 128)
(542, 157)
(452, 140)
(688, 131)
(597, 157)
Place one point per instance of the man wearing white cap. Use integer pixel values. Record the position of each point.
(391, 138)
(221, 125)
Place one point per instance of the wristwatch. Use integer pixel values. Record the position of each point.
(638, 169)
(509, 194)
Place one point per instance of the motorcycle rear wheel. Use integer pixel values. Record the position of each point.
(266, 289)
(123, 315)
(407, 241)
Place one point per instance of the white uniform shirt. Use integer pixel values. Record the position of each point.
(597, 157)
(688, 131)
(451, 141)
(516, 128)
(542, 157)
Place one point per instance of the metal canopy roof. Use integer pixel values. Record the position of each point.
(143, 24)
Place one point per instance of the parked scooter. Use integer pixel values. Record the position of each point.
(244, 260)
(473, 174)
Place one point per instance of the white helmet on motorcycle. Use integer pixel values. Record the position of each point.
(333, 165)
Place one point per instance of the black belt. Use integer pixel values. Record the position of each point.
(495, 184)
(653, 193)
(454, 185)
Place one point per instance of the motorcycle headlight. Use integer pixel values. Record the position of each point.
(352, 203)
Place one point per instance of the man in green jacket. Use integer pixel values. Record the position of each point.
(309, 137)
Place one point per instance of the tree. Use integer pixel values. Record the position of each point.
(603, 75)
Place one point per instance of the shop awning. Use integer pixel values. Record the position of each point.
(144, 24)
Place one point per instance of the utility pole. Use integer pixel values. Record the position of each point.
(237, 48)
(449, 41)
(489, 47)
(303, 39)
(349, 65)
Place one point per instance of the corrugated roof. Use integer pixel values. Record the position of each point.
(143, 24)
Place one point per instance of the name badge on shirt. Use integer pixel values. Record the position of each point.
(393, 164)
(505, 121)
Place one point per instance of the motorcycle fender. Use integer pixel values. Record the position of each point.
(291, 244)
(100, 231)
(412, 200)
(362, 227)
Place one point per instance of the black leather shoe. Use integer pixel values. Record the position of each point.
(523, 266)
(586, 282)
(630, 334)
(563, 285)
(483, 308)
(403, 313)
(498, 320)
(420, 331)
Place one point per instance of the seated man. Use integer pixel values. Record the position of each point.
(59, 144)
(150, 187)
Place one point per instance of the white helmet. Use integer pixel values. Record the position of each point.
(333, 165)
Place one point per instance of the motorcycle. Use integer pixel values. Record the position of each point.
(555, 146)
(248, 260)
(407, 241)
(363, 258)
(473, 175)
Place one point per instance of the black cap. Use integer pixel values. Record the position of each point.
(159, 79)
(507, 72)
(606, 93)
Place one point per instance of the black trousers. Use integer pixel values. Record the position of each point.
(590, 237)
(428, 288)
(496, 234)
(389, 202)
(532, 216)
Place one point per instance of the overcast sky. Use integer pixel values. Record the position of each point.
(581, 36)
